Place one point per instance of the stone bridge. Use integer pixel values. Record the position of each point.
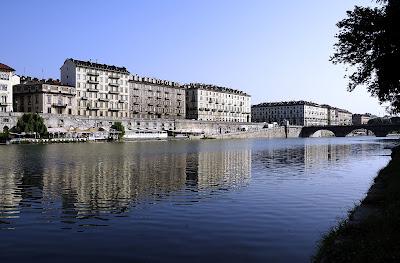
(381, 130)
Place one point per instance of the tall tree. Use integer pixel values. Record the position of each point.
(369, 45)
(31, 122)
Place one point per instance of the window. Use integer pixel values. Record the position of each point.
(48, 110)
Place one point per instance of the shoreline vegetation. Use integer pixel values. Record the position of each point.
(371, 233)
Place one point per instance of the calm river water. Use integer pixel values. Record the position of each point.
(180, 201)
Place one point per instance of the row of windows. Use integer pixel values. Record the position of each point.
(4, 76)
(100, 79)
(100, 113)
(101, 87)
(101, 72)
(113, 105)
(224, 95)
(95, 95)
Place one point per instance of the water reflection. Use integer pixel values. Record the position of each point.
(94, 181)
(219, 170)
(310, 155)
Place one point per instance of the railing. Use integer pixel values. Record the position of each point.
(114, 77)
(113, 91)
(90, 81)
(93, 74)
(93, 108)
(59, 105)
(93, 90)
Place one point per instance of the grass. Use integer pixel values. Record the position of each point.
(374, 237)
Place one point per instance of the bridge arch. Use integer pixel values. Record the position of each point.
(323, 133)
(343, 131)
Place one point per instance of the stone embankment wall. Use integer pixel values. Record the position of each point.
(208, 128)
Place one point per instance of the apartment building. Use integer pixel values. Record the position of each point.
(345, 117)
(359, 119)
(337, 116)
(152, 98)
(302, 113)
(213, 103)
(8, 79)
(44, 96)
(101, 90)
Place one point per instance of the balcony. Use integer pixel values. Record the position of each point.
(121, 101)
(136, 103)
(115, 109)
(150, 104)
(113, 84)
(91, 81)
(84, 98)
(92, 107)
(113, 77)
(103, 99)
(59, 105)
(113, 91)
(3, 103)
(93, 74)
(92, 90)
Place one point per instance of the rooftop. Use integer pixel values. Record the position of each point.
(5, 68)
(214, 88)
(89, 64)
(26, 80)
(298, 102)
(137, 78)
(287, 103)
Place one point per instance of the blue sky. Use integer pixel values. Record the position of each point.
(273, 50)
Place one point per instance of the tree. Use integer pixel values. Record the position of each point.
(369, 43)
(31, 122)
(120, 128)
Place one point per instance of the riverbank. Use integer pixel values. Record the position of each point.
(371, 233)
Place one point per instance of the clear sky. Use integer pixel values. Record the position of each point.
(273, 50)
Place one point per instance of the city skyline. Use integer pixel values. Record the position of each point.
(249, 47)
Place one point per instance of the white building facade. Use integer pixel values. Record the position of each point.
(7, 80)
(101, 90)
(213, 103)
(302, 113)
(44, 96)
(152, 98)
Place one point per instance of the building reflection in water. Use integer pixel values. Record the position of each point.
(309, 156)
(219, 169)
(70, 183)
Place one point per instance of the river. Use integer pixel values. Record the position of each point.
(250, 200)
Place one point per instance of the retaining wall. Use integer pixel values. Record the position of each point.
(208, 128)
